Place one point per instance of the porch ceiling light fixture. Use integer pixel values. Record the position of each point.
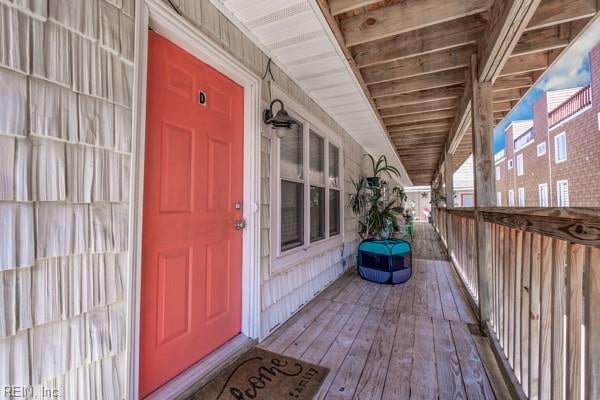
(280, 122)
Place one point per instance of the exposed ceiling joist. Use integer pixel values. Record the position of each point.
(406, 16)
(431, 39)
(338, 7)
(427, 116)
(421, 65)
(552, 12)
(439, 105)
(513, 82)
(406, 99)
(415, 84)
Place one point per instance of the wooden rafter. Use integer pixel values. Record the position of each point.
(415, 84)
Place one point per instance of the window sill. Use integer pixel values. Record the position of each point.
(293, 257)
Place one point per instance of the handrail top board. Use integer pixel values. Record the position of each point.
(573, 224)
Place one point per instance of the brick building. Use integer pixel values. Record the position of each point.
(554, 159)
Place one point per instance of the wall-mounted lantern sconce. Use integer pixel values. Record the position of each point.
(280, 122)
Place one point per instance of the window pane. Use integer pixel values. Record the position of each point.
(292, 153)
(317, 159)
(334, 166)
(334, 212)
(292, 215)
(317, 213)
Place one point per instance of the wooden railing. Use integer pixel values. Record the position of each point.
(544, 275)
(575, 103)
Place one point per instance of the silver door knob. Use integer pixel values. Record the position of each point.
(240, 224)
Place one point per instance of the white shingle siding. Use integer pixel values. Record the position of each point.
(65, 139)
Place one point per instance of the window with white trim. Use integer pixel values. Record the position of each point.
(521, 197)
(541, 149)
(562, 193)
(498, 199)
(308, 205)
(560, 147)
(510, 164)
(497, 173)
(543, 194)
(520, 168)
(511, 198)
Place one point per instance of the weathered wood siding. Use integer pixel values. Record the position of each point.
(66, 76)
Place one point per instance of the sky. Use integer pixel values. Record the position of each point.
(571, 70)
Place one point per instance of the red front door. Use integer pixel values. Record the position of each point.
(193, 178)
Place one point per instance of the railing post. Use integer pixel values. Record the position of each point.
(483, 161)
(449, 200)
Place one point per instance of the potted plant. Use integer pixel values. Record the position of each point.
(372, 203)
(379, 167)
(437, 199)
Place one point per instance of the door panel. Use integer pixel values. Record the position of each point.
(191, 253)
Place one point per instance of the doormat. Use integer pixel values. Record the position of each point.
(262, 375)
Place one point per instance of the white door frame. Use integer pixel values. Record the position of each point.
(165, 21)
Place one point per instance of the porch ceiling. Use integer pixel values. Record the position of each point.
(412, 58)
(296, 36)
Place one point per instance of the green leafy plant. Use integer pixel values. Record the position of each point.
(379, 167)
(376, 210)
(436, 198)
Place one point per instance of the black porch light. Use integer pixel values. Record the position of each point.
(280, 122)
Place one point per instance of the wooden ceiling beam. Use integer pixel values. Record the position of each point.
(444, 36)
(526, 63)
(503, 106)
(421, 65)
(440, 130)
(513, 82)
(421, 125)
(508, 20)
(549, 38)
(405, 16)
(424, 82)
(447, 104)
(337, 7)
(508, 95)
(426, 116)
(553, 12)
(421, 97)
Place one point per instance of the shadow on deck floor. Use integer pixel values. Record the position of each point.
(409, 341)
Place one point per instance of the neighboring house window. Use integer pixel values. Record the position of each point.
(511, 198)
(560, 142)
(562, 193)
(467, 200)
(510, 164)
(543, 194)
(498, 199)
(521, 197)
(520, 165)
(599, 121)
(541, 149)
(310, 188)
(497, 173)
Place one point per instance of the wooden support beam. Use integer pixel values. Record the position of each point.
(406, 16)
(552, 12)
(508, 20)
(421, 97)
(449, 175)
(419, 83)
(483, 166)
(444, 36)
(427, 116)
(440, 105)
(338, 7)
(420, 65)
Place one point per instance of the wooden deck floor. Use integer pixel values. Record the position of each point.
(410, 341)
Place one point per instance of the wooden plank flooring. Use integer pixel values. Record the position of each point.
(409, 341)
